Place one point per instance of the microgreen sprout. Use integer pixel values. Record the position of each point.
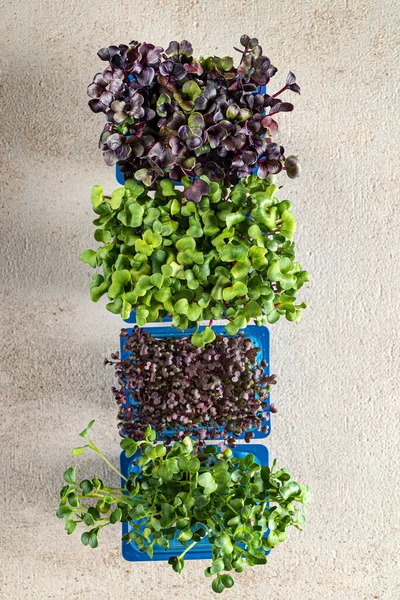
(243, 508)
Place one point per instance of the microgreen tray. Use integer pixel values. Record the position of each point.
(202, 550)
(259, 336)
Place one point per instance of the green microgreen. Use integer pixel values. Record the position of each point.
(230, 255)
(177, 492)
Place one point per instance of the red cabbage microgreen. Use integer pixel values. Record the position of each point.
(170, 115)
(219, 390)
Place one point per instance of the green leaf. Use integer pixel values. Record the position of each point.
(93, 542)
(70, 475)
(175, 207)
(98, 287)
(89, 257)
(116, 198)
(185, 535)
(232, 253)
(233, 327)
(129, 446)
(116, 515)
(64, 512)
(167, 187)
(157, 280)
(134, 187)
(289, 489)
(207, 481)
(145, 176)
(217, 566)
(223, 541)
(97, 195)
(70, 526)
(238, 289)
(143, 247)
(86, 486)
(84, 433)
(273, 316)
(132, 215)
(254, 232)
(191, 89)
(234, 218)
(205, 337)
(101, 235)
(78, 451)
(217, 585)
(288, 224)
(227, 580)
(193, 312)
(85, 538)
(182, 306)
(185, 243)
(152, 238)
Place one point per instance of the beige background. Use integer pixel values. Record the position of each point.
(338, 422)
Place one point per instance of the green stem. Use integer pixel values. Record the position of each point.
(231, 507)
(242, 550)
(188, 548)
(93, 447)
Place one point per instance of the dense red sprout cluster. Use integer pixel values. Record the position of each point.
(218, 390)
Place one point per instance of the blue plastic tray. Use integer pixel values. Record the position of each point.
(259, 336)
(202, 550)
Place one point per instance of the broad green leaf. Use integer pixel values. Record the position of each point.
(233, 252)
(238, 289)
(234, 218)
(273, 316)
(101, 235)
(152, 238)
(185, 243)
(182, 306)
(191, 89)
(238, 323)
(97, 195)
(132, 215)
(89, 257)
(254, 232)
(252, 310)
(116, 198)
(70, 475)
(223, 541)
(143, 247)
(227, 580)
(84, 433)
(167, 187)
(288, 224)
(175, 207)
(134, 187)
(217, 585)
(205, 337)
(129, 446)
(157, 279)
(193, 312)
(289, 489)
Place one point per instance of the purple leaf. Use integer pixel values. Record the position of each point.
(197, 190)
(146, 76)
(96, 106)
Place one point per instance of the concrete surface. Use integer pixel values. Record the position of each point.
(338, 425)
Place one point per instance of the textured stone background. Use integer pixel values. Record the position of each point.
(338, 422)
